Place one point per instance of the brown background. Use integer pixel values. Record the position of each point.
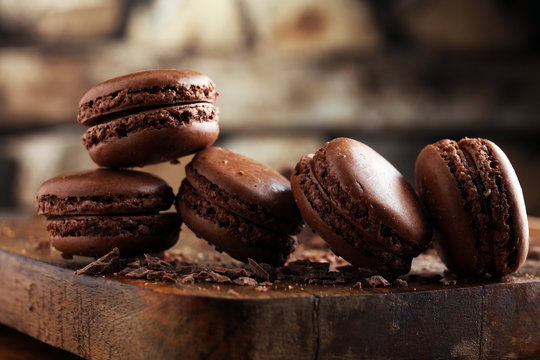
(292, 74)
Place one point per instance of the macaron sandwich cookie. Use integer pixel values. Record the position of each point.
(89, 213)
(149, 117)
(477, 206)
(239, 205)
(361, 206)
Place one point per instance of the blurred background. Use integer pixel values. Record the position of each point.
(395, 74)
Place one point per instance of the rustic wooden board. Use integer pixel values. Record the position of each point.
(107, 317)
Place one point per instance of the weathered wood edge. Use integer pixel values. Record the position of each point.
(101, 318)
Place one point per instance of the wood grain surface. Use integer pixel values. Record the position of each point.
(109, 317)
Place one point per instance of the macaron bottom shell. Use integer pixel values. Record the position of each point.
(98, 234)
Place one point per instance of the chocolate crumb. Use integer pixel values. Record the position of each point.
(258, 270)
(448, 281)
(261, 289)
(400, 283)
(176, 257)
(358, 285)
(231, 292)
(377, 281)
(43, 244)
(265, 283)
(534, 252)
(106, 264)
(245, 281)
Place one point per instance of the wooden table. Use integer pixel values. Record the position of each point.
(108, 317)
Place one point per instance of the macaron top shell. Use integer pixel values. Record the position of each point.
(104, 191)
(249, 180)
(367, 177)
(142, 89)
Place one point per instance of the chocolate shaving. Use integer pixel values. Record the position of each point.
(106, 264)
(137, 273)
(161, 275)
(187, 279)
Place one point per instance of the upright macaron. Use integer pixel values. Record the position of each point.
(241, 206)
(362, 206)
(149, 117)
(476, 203)
(91, 212)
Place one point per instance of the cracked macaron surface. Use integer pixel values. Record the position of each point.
(239, 205)
(91, 212)
(149, 117)
(476, 204)
(362, 206)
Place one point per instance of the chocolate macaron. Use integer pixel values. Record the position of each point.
(149, 117)
(89, 213)
(239, 205)
(362, 206)
(476, 204)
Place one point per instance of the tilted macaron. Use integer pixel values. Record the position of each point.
(149, 117)
(241, 206)
(362, 206)
(91, 212)
(477, 206)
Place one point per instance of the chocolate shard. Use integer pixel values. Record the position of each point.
(156, 263)
(258, 270)
(231, 273)
(219, 278)
(106, 264)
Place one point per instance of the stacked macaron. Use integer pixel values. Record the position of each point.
(134, 120)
